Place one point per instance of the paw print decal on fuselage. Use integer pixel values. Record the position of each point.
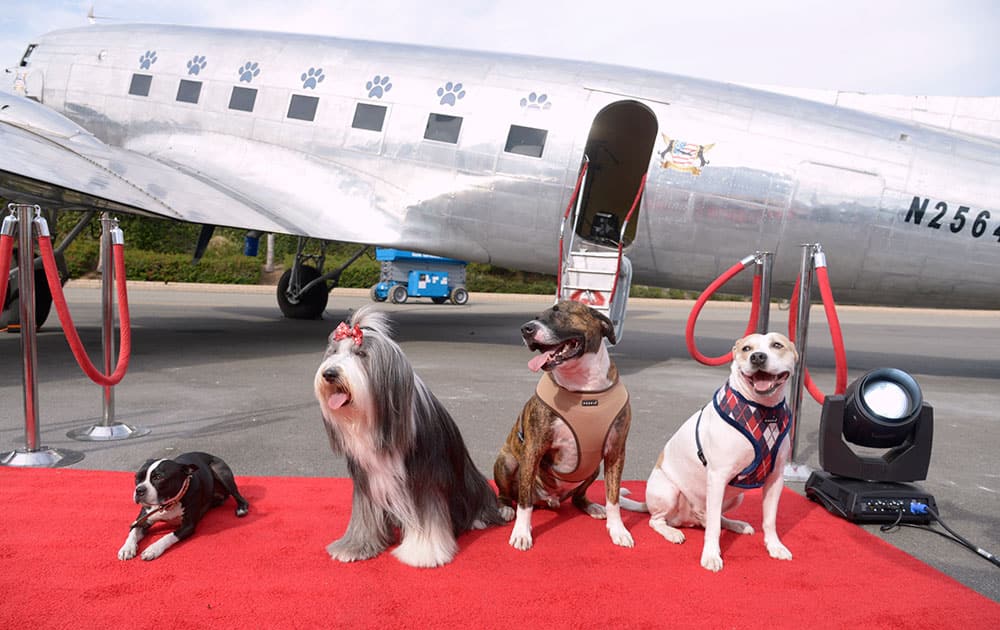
(196, 65)
(312, 77)
(378, 86)
(450, 93)
(248, 71)
(536, 101)
(147, 59)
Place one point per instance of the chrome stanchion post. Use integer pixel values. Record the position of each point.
(108, 429)
(33, 454)
(795, 471)
(764, 262)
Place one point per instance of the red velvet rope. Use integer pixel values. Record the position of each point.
(6, 248)
(700, 302)
(836, 336)
(72, 337)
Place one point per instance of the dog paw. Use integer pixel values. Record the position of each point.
(520, 539)
(672, 534)
(596, 510)
(128, 551)
(348, 551)
(621, 536)
(151, 553)
(507, 513)
(711, 562)
(778, 551)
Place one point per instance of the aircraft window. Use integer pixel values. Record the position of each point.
(189, 91)
(368, 116)
(242, 99)
(303, 107)
(443, 128)
(140, 84)
(27, 54)
(526, 141)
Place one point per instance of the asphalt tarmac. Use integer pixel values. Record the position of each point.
(218, 369)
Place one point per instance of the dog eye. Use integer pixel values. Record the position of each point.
(777, 345)
(361, 353)
(745, 349)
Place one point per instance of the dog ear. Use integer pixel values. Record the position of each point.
(607, 326)
(795, 351)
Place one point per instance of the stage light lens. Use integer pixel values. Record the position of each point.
(881, 408)
(887, 399)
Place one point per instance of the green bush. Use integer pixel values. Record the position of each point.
(82, 257)
(214, 268)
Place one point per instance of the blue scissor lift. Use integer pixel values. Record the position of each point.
(410, 274)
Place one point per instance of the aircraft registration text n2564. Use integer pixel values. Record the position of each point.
(961, 219)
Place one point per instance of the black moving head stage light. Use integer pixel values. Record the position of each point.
(884, 409)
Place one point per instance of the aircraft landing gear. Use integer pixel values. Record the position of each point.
(296, 303)
(304, 290)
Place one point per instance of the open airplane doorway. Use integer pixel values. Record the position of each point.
(619, 147)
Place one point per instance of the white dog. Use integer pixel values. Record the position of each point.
(736, 441)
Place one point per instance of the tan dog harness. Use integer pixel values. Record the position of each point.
(589, 416)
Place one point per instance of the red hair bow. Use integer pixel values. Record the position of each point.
(343, 331)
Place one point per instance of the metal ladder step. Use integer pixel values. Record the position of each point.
(598, 272)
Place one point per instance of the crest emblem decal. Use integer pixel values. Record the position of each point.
(686, 157)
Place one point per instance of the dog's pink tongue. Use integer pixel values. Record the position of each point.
(762, 381)
(538, 361)
(336, 401)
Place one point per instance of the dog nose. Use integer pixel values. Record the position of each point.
(330, 374)
(140, 491)
(758, 359)
(528, 329)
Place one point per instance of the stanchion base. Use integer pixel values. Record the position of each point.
(104, 433)
(42, 458)
(797, 472)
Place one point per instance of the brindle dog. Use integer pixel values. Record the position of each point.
(578, 417)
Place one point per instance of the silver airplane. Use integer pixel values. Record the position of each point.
(477, 156)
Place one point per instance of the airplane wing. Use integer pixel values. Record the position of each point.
(47, 159)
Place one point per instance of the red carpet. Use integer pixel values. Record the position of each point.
(60, 531)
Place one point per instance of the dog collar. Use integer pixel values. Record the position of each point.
(166, 505)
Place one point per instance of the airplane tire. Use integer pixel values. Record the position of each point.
(43, 302)
(459, 296)
(399, 295)
(310, 304)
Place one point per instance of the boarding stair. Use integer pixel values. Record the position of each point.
(597, 274)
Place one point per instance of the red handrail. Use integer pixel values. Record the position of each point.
(562, 228)
(621, 236)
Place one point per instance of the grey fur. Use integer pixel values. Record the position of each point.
(406, 456)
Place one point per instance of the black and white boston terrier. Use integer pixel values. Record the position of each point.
(178, 491)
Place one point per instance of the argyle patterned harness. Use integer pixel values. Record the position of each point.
(765, 427)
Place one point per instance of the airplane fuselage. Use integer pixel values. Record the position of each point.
(475, 156)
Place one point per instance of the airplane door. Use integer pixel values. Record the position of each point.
(619, 146)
